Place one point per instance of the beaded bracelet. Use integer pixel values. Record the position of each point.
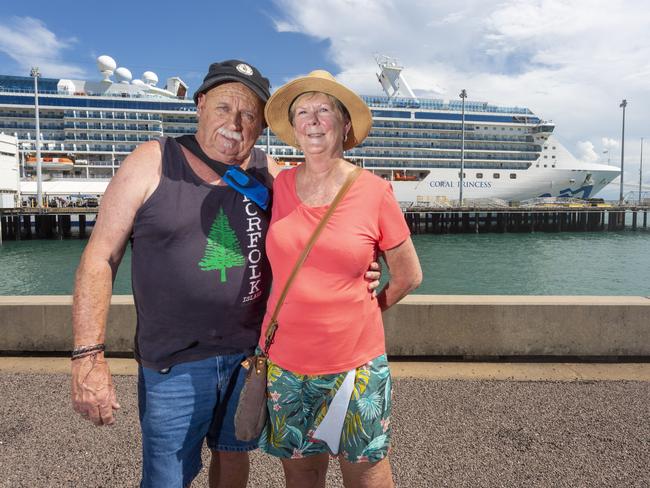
(83, 351)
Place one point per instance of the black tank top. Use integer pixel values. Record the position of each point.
(199, 268)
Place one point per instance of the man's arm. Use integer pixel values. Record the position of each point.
(405, 274)
(93, 394)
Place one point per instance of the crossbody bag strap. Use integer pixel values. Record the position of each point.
(231, 174)
(273, 325)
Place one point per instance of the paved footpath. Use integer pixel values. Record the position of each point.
(454, 425)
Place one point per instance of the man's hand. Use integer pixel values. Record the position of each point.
(93, 393)
(373, 275)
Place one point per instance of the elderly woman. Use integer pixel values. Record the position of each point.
(329, 384)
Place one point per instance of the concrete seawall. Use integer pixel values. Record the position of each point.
(420, 325)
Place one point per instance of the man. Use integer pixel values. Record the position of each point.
(200, 283)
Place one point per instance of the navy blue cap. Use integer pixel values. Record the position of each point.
(235, 70)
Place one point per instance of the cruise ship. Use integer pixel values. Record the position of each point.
(87, 128)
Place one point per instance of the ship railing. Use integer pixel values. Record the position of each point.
(438, 104)
(551, 201)
(147, 95)
(481, 203)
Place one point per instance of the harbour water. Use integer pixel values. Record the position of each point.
(602, 263)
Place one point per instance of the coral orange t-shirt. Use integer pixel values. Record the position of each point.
(329, 322)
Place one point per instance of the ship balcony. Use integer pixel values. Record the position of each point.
(173, 120)
(455, 136)
(173, 131)
(442, 163)
(107, 149)
(442, 155)
(438, 104)
(82, 115)
(469, 145)
(111, 128)
(385, 149)
(29, 115)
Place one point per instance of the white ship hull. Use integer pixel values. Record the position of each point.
(444, 184)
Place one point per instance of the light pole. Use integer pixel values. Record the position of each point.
(623, 105)
(641, 171)
(606, 151)
(463, 96)
(39, 163)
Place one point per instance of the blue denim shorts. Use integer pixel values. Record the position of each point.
(178, 409)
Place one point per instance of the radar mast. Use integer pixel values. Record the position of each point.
(391, 78)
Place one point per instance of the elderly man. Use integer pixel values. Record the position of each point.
(200, 283)
(199, 309)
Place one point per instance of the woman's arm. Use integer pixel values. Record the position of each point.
(405, 274)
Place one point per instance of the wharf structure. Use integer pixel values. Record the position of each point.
(65, 223)
(577, 217)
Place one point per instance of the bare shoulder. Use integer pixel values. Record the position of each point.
(140, 171)
(134, 182)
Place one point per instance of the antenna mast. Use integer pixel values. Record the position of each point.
(391, 78)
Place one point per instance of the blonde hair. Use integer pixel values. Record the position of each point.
(336, 103)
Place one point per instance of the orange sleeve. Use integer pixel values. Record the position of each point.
(392, 225)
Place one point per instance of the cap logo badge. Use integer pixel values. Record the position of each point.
(245, 69)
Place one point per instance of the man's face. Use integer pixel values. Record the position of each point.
(230, 121)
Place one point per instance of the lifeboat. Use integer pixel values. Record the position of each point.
(399, 176)
(288, 164)
(32, 159)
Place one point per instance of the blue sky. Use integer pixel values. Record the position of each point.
(179, 40)
(570, 61)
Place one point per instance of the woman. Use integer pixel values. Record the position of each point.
(328, 379)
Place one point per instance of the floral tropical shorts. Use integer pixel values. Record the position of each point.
(298, 403)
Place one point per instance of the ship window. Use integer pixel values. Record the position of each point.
(479, 175)
(545, 157)
(546, 165)
(545, 147)
(553, 147)
(496, 176)
(553, 157)
(503, 128)
(513, 176)
(537, 165)
(552, 166)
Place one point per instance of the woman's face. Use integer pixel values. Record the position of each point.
(318, 125)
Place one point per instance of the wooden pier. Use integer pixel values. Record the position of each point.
(45, 223)
(526, 219)
(57, 223)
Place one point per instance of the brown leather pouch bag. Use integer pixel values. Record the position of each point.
(251, 410)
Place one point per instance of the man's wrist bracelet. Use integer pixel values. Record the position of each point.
(83, 351)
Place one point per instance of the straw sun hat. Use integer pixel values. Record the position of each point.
(277, 108)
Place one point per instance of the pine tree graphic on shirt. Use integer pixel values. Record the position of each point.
(222, 250)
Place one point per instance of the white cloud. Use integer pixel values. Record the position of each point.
(586, 152)
(30, 43)
(609, 143)
(570, 61)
